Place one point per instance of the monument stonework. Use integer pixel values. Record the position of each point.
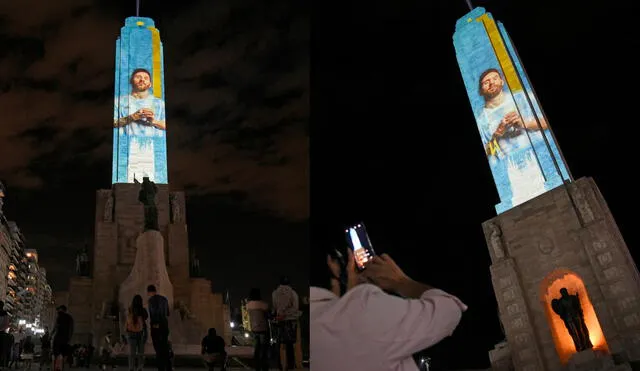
(140, 235)
(564, 238)
(567, 288)
(90, 299)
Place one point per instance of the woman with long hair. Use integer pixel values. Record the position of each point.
(136, 333)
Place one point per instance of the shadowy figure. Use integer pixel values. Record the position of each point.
(82, 262)
(195, 265)
(214, 351)
(569, 309)
(147, 196)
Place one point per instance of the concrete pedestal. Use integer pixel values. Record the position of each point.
(149, 268)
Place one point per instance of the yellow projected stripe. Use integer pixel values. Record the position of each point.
(157, 62)
(494, 147)
(501, 53)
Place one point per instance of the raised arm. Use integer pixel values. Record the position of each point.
(403, 325)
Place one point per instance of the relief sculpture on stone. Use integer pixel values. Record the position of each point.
(586, 214)
(108, 209)
(176, 214)
(82, 262)
(495, 240)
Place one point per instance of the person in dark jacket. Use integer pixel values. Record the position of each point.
(158, 306)
(5, 338)
(62, 333)
(45, 348)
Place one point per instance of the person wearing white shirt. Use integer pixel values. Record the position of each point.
(365, 328)
(286, 307)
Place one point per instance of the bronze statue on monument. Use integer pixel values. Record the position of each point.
(495, 240)
(82, 262)
(569, 309)
(147, 196)
(195, 265)
(108, 209)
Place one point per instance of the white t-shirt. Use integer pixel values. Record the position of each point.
(368, 329)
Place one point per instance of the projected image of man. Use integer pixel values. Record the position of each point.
(141, 116)
(508, 137)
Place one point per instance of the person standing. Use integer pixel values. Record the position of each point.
(10, 347)
(258, 316)
(159, 321)
(90, 350)
(28, 350)
(286, 307)
(136, 330)
(18, 338)
(140, 123)
(5, 339)
(62, 333)
(45, 348)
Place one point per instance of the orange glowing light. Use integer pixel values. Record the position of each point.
(551, 290)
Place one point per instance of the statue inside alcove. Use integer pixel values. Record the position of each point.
(569, 309)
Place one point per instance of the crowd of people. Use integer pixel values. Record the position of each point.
(284, 314)
(56, 347)
(17, 350)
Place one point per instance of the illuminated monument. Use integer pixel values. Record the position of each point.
(139, 134)
(567, 288)
(127, 255)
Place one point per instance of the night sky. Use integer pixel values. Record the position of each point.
(394, 142)
(237, 91)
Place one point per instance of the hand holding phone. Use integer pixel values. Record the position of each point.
(358, 240)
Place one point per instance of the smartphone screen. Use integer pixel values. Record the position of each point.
(359, 242)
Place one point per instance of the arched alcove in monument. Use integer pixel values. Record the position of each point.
(549, 290)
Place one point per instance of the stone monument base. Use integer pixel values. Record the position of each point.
(592, 360)
(149, 268)
(564, 239)
(500, 357)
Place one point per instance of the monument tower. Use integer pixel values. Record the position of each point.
(140, 224)
(567, 288)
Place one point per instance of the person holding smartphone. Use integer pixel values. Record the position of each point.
(356, 325)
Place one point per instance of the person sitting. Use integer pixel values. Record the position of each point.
(213, 350)
(357, 325)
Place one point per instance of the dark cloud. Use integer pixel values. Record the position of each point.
(237, 107)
